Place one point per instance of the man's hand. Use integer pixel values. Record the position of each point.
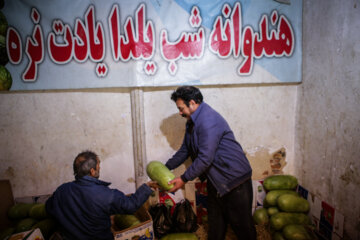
(153, 185)
(178, 183)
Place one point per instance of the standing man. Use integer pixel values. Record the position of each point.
(83, 207)
(219, 158)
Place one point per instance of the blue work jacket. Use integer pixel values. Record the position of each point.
(83, 207)
(215, 153)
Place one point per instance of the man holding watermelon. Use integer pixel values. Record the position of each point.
(218, 158)
(83, 207)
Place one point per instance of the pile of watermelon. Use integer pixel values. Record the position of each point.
(28, 216)
(180, 236)
(5, 76)
(123, 221)
(284, 211)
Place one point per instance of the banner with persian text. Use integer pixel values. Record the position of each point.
(73, 44)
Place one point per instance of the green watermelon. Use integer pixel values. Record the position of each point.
(158, 172)
(46, 226)
(272, 196)
(4, 59)
(261, 216)
(278, 182)
(25, 224)
(5, 79)
(180, 236)
(291, 203)
(3, 24)
(297, 232)
(19, 210)
(123, 221)
(38, 211)
(272, 210)
(7, 233)
(281, 219)
(278, 236)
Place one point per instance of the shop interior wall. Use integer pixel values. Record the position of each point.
(42, 132)
(328, 120)
(261, 117)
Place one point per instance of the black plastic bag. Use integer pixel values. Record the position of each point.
(184, 218)
(162, 222)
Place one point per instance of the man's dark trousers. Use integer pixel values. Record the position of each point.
(234, 208)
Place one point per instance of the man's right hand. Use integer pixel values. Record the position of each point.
(153, 185)
(178, 183)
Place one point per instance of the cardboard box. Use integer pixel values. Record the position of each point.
(33, 199)
(28, 235)
(190, 193)
(328, 222)
(201, 201)
(143, 231)
(259, 194)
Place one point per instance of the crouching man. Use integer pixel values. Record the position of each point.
(83, 207)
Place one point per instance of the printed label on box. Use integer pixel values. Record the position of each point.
(302, 191)
(326, 220)
(29, 235)
(259, 193)
(143, 232)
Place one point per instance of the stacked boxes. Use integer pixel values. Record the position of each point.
(328, 221)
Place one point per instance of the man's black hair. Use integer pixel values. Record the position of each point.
(84, 162)
(187, 93)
